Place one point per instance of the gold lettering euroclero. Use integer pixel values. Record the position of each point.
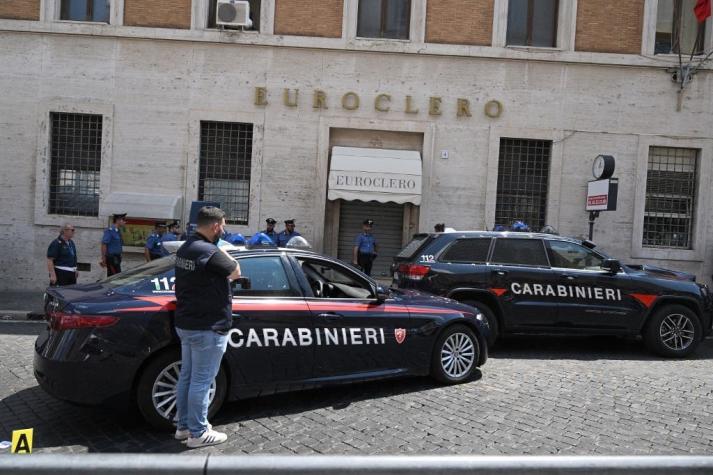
(384, 102)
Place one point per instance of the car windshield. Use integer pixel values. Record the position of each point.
(141, 273)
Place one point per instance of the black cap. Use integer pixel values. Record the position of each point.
(173, 223)
(370, 222)
(289, 221)
(270, 221)
(116, 216)
(160, 224)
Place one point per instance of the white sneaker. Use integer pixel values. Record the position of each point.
(209, 437)
(184, 434)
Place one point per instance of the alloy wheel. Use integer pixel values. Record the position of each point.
(677, 332)
(457, 355)
(163, 393)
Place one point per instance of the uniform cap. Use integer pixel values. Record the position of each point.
(160, 224)
(270, 221)
(289, 221)
(369, 222)
(119, 215)
(175, 222)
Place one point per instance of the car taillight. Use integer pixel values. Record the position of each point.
(68, 321)
(413, 271)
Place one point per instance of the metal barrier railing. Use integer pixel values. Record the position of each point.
(163, 464)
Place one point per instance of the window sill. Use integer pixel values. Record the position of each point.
(82, 22)
(535, 49)
(397, 40)
(672, 254)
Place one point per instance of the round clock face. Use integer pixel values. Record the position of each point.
(603, 166)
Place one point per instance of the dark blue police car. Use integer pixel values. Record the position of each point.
(543, 283)
(300, 320)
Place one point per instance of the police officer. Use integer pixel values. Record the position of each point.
(365, 247)
(270, 230)
(174, 229)
(112, 245)
(284, 237)
(62, 258)
(152, 250)
(203, 318)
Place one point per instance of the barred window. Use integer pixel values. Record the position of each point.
(75, 156)
(523, 172)
(224, 176)
(670, 197)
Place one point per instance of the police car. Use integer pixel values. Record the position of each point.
(300, 320)
(543, 283)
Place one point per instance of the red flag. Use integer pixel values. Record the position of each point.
(702, 10)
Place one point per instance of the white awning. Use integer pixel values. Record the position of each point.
(142, 205)
(375, 174)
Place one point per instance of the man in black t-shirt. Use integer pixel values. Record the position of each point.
(62, 258)
(203, 318)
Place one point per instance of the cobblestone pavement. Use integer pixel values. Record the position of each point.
(538, 396)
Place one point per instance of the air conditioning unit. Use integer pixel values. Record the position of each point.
(233, 13)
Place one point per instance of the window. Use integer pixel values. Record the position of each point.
(569, 255)
(519, 252)
(678, 29)
(384, 19)
(523, 171)
(328, 280)
(267, 278)
(670, 197)
(85, 10)
(467, 250)
(532, 22)
(75, 154)
(254, 14)
(224, 172)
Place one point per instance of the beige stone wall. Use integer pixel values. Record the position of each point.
(20, 9)
(299, 18)
(468, 22)
(609, 26)
(158, 13)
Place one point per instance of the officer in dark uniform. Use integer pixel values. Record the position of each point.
(284, 237)
(112, 245)
(203, 318)
(270, 230)
(152, 250)
(365, 247)
(174, 230)
(62, 258)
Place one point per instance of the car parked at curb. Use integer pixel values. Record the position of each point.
(300, 320)
(544, 283)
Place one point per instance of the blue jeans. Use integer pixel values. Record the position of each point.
(201, 352)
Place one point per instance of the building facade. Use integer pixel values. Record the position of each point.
(411, 113)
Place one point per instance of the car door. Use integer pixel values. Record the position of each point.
(521, 278)
(270, 341)
(590, 297)
(354, 332)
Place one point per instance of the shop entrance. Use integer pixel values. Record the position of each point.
(388, 230)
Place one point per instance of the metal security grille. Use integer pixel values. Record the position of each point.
(670, 197)
(225, 159)
(75, 156)
(523, 172)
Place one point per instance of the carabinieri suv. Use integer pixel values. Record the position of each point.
(542, 283)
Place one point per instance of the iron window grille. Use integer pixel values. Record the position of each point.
(85, 10)
(75, 163)
(532, 23)
(384, 19)
(523, 175)
(225, 164)
(670, 197)
(678, 29)
(254, 14)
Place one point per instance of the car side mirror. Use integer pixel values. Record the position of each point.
(381, 293)
(242, 283)
(612, 266)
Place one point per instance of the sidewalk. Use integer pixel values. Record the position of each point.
(21, 304)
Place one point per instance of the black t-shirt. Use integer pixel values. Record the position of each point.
(203, 295)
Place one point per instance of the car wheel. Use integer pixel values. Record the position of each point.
(456, 355)
(674, 330)
(156, 390)
(490, 317)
